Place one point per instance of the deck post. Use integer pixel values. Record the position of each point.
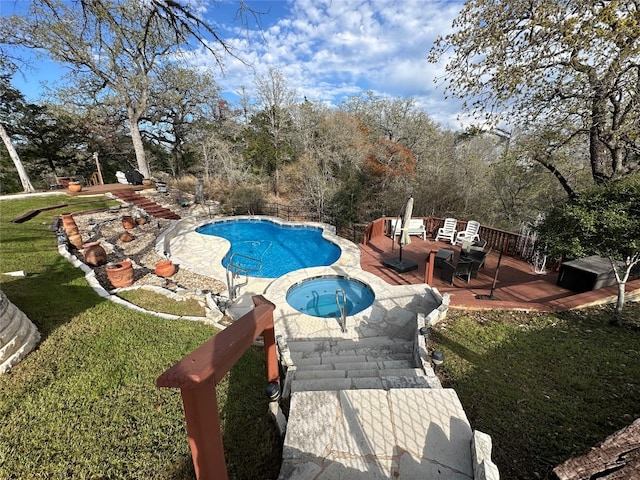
(198, 373)
(428, 271)
(203, 429)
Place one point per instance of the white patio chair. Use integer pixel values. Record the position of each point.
(448, 231)
(470, 234)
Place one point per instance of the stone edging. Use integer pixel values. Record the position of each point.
(90, 276)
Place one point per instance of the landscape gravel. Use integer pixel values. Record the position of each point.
(106, 227)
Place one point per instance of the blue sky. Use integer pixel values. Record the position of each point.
(327, 50)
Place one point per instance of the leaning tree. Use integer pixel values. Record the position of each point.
(569, 63)
(10, 101)
(113, 47)
(603, 220)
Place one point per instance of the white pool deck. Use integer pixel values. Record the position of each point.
(399, 433)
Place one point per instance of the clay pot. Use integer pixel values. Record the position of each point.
(74, 187)
(68, 223)
(71, 230)
(141, 220)
(125, 237)
(75, 239)
(127, 222)
(165, 268)
(120, 274)
(94, 254)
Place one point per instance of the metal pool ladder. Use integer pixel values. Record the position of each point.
(342, 308)
(234, 270)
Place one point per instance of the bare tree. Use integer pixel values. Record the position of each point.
(570, 63)
(276, 100)
(112, 47)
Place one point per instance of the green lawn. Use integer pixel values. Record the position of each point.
(84, 403)
(545, 387)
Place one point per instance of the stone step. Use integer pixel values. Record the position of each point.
(359, 383)
(151, 207)
(363, 355)
(351, 363)
(364, 346)
(396, 434)
(320, 374)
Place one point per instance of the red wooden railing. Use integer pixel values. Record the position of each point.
(197, 375)
(510, 243)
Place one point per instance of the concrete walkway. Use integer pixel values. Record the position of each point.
(403, 434)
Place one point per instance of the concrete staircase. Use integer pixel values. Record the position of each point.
(369, 363)
(360, 409)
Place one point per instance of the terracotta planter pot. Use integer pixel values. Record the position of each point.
(120, 274)
(69, 224)
(125, 237)
(75, 239)
(141, 220)
(94, 254)
(165, 268)
(128, 223)
(74, 187)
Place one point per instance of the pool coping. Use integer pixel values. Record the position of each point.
(393, 312)
(185, 246)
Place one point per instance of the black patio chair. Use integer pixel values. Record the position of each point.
(461, 270)
(477, 257)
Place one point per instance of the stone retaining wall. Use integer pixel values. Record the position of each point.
(18, 335)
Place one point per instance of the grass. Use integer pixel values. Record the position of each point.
(546, 387)
(161, 303)
(84, 403)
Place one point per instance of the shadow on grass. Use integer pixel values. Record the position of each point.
(53, 291)
(545, 387)
(252, 444)
(53, 296)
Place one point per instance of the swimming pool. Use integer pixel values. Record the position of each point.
(325, 296)
(266, 249)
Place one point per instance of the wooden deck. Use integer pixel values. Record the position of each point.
(517, 286)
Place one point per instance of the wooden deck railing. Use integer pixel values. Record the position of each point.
(197, 375)
(512, 244)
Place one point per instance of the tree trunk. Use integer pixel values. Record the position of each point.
(617, 316)
(22, 173)
(138, 146)
(597, 148)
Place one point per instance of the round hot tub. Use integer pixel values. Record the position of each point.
(325, 296)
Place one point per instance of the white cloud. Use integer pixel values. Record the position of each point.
(330, 49)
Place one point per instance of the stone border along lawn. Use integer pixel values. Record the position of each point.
(210, 306)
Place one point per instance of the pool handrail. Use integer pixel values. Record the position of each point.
(234, 270)
(342, 308)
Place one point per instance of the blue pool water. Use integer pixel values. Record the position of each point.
(317, 296)
(269, 250)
